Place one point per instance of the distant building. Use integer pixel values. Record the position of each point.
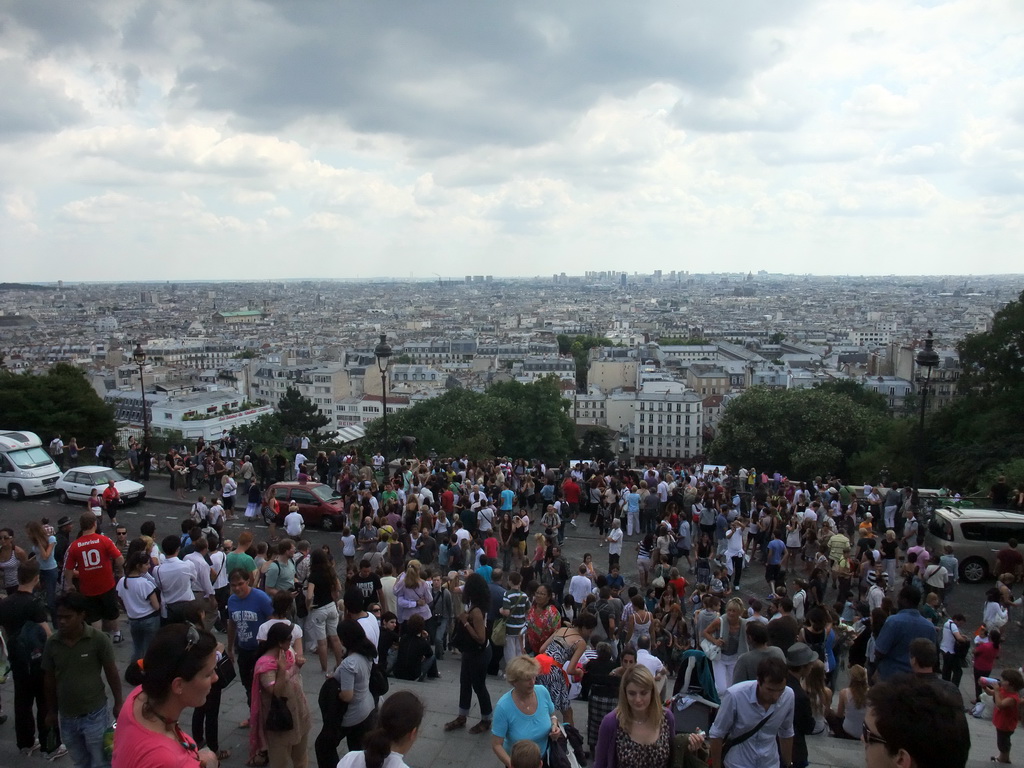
(668, 424)
(244, 317)
(197, 414)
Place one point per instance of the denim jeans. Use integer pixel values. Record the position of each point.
(83, 736)
(143, 631)
(48, 580)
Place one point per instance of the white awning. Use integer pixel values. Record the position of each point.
(350, 433)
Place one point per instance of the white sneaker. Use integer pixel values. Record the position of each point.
(27, 751)
(58, 753)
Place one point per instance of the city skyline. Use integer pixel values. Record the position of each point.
(258, 141)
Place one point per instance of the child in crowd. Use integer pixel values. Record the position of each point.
(1007, 705)
(525, 754)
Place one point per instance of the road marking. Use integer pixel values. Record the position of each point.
(149, 515)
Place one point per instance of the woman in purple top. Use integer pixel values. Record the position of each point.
(639, 732)
(412, 594)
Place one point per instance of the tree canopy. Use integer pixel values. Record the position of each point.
(299, 415)
(61, 401)
(993, 361)
(800, 432)
(510, 419)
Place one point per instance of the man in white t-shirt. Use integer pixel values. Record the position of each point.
(580, 586)
(614, 541)
(300, 459)
(293, 522)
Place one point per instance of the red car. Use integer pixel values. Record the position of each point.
(318, 504)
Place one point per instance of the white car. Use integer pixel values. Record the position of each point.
(76, 484)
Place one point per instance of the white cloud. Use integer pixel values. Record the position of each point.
(794, 136)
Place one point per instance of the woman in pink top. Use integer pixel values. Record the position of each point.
(148, 734)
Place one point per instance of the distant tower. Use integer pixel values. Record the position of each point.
(622, 279)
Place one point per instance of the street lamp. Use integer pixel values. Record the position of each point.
(383, 354)
(139, 356)
(927, 358)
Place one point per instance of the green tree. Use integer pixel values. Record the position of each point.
(61, 401)
(800, 432)
(856, 392)
(993, 361)
(264, 432)
(777, 338)
(536, 422)
(596, 444)
(245, 354)
(511, 419)
(299, 415)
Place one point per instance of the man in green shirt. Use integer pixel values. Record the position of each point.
(73, 658)
(240, 558)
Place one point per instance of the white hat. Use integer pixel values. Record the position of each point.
(868, 516)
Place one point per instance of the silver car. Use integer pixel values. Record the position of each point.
(976, 536)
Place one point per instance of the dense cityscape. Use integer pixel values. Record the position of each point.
(219, 355)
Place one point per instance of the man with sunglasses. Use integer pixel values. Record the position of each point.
(909, 723)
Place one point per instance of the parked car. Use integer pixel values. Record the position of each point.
(976, 535)
(77, 484)
(318, 504)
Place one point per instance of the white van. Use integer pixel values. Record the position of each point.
(26, 468)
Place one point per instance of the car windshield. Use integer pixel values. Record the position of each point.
(323, 492)
(101, 477)
(30, 458)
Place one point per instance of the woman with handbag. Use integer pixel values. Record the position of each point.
(206, 718)
(728, 634)
(525, 712)
(279, 714)
(353, 676)
(470, 637)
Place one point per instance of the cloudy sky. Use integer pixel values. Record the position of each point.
(358, 138)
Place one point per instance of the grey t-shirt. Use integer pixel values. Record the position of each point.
(746, 664)
(353, 674)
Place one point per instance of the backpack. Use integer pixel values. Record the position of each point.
(27, 648)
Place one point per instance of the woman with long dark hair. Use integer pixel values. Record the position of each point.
(470, 637)
(277, 674)
(385, 746)
(353, 676)
(178, 672)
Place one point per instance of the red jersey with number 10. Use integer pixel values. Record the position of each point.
(93, 558)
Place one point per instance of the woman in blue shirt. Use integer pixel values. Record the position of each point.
(43, 545)
(525, 712)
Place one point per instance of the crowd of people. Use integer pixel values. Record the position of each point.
(462, 557)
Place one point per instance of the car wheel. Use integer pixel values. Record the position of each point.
(268, 516)
(329, 523)
(15, 492)
(62, 497)
(973, 570)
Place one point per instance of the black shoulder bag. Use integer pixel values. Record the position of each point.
(730, 743)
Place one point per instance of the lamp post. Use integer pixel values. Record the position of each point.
(139, 356)
(926, 358)
(383, 354)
